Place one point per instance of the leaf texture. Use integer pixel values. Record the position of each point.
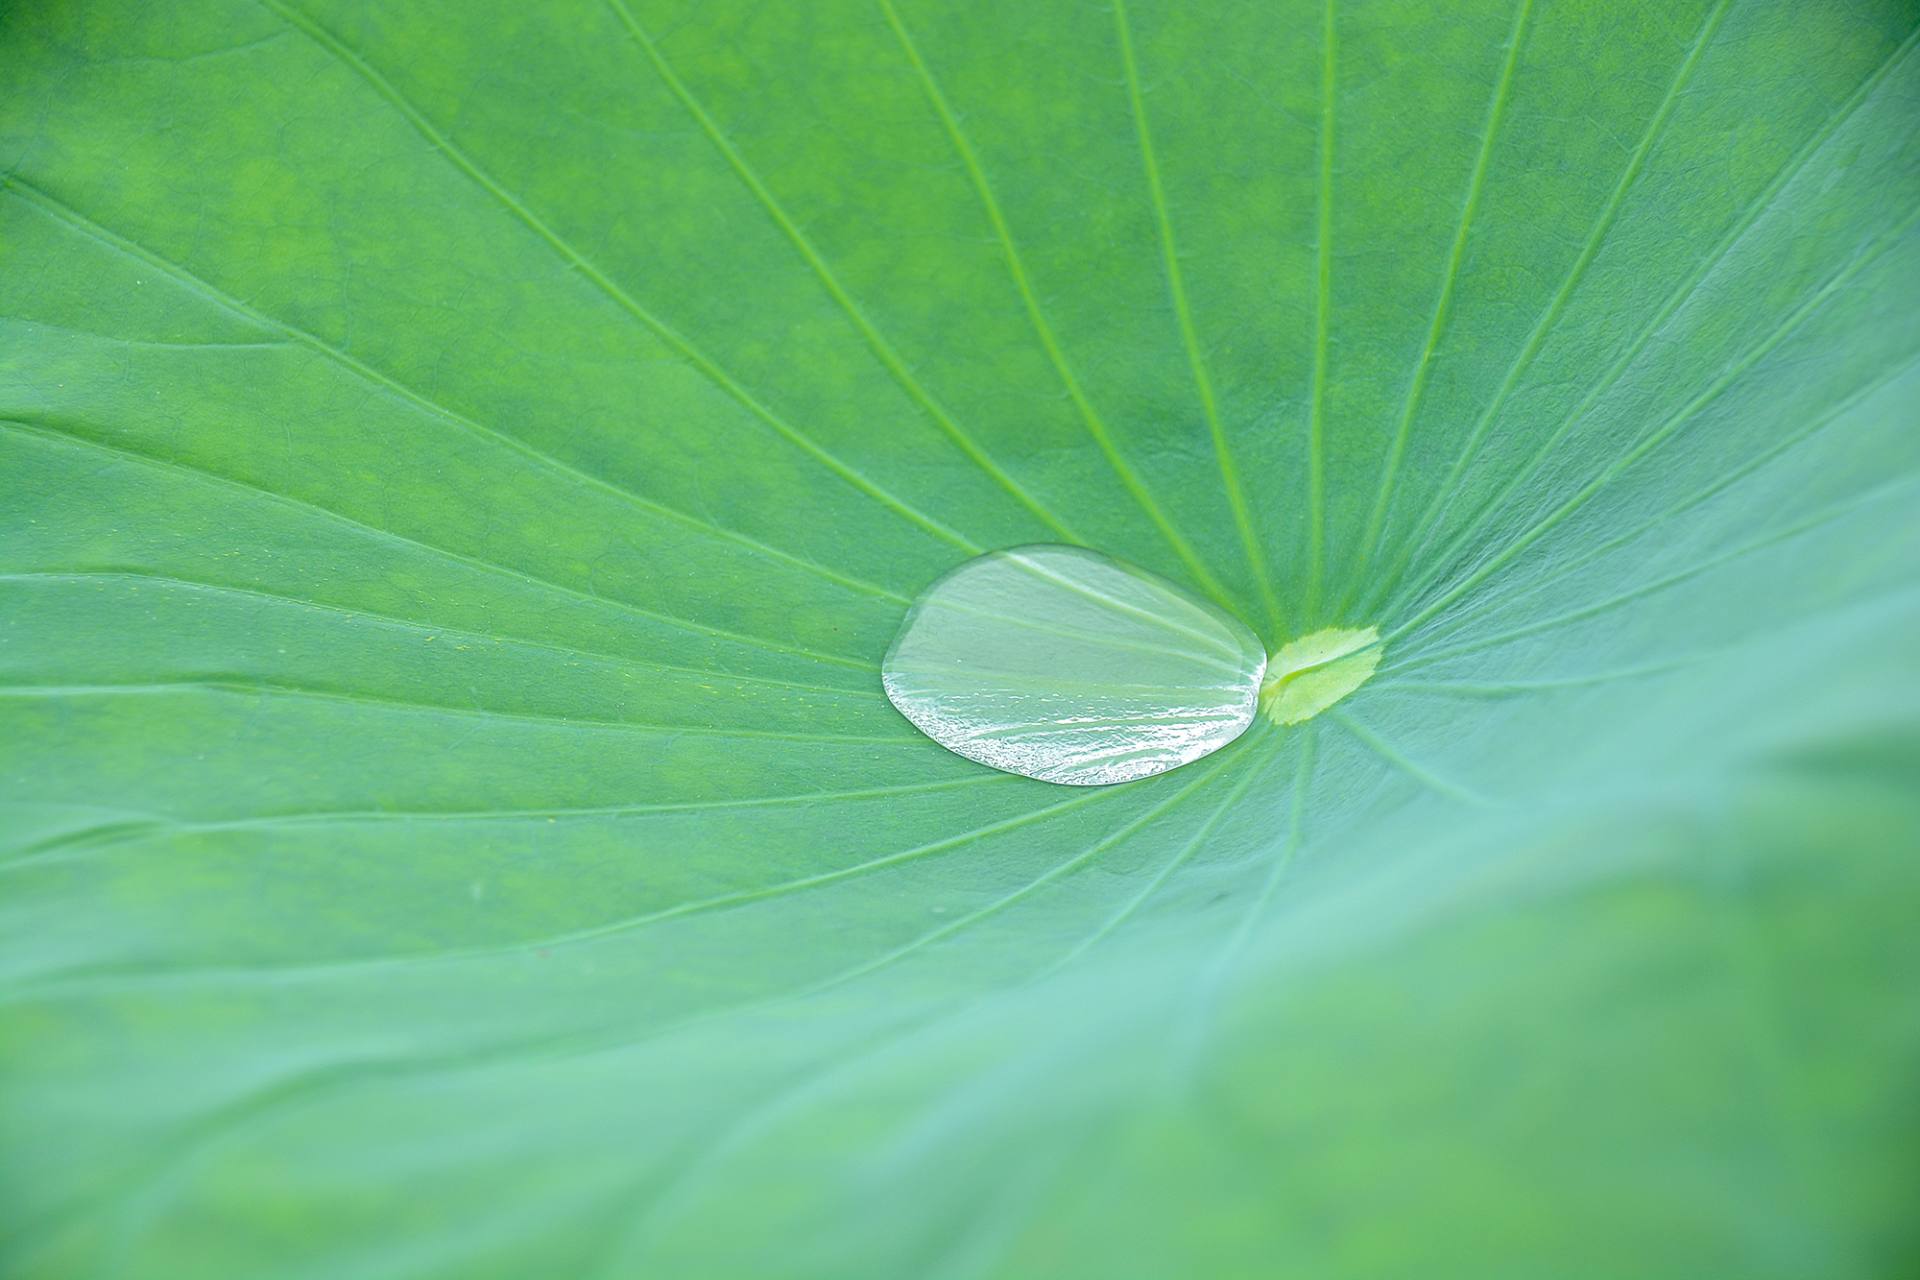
(462, 464)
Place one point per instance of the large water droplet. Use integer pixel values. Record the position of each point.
(1068, 666)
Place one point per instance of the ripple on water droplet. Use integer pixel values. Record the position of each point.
(1068, 666)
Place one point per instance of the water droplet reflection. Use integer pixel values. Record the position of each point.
(1069, 666)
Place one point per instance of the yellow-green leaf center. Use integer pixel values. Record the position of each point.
(1306, 676)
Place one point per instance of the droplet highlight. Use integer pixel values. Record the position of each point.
(1069, 666)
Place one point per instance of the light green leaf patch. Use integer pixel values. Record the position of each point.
(1306, 676)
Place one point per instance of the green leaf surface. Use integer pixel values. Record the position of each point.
(463, 465)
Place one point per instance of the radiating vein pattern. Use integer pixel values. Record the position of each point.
(480, 484)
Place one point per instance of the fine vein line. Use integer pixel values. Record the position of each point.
(391, 386)
(619, 296)
(1724, 482)
(876, 342)
(1030, 300)
(574, 937)
(1323, 251)
(1508, 688)
(1252, 770)
(1442, 306)
(353, 613)
(1824, 516)
(1405, 763)
(1183, 313)
(1211, 979)
(79, 843)
(62, 435)
(1666, 430)
(713, 1153)
(278, 1097)
(1735, 233)
(319, 693)
(1596, 237)
(1016, 267)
